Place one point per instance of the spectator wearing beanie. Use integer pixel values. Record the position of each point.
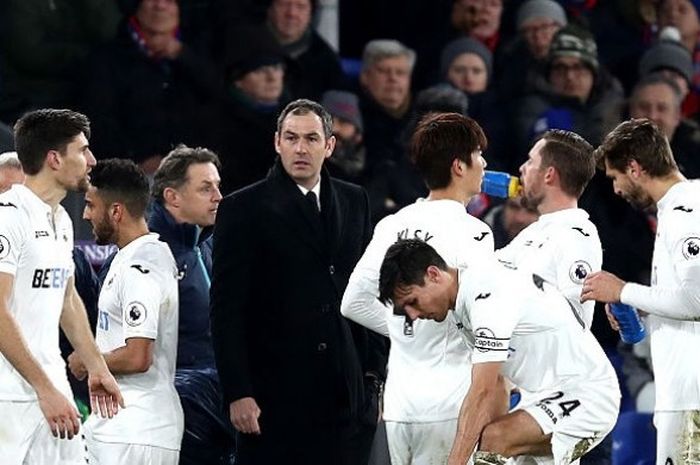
(348, 160)
(671, 59)
(522, 64)
(248, 113)
(149, 89)
(581, 95)
(467, 65)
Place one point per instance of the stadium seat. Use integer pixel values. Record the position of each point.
(351, 67)
(634, 439)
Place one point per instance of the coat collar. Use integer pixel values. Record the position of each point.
(188, 235)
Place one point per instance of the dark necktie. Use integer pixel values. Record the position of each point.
(312, 199)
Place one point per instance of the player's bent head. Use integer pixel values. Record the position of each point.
(173, 169)
(638, 140)
(439, 139)
(121, 181)
(572, 156)
(301, 107)
(405, 264)
(40, 131)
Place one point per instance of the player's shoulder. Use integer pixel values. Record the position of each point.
(14, 211)
(150, 256)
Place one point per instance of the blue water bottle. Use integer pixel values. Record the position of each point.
(500, 184)
(631, 327)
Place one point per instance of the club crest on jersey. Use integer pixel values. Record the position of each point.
(579, 270)
(135, 314)
(691, 248)
(4, 247)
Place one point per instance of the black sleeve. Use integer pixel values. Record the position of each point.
(232, 297)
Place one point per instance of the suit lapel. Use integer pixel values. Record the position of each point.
(330, 214)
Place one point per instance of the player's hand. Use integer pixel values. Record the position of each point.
(60, 413)
(244, 415)
(105, 396)
(76, 366)
(602, 286)
(611, 318)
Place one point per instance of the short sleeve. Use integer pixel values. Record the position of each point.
(141, 296)
(493, 318)
(11, 238)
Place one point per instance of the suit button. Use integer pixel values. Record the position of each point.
(331, 269)
(322, 347)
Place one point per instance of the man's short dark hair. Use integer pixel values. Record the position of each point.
(640, 140)
(39, 131)
(439, 139)
(572, 157)
(172, 171)
(122, 181)
(405, 264)
(302, 107)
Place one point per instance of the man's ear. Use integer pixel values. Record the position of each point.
(277, 142)
(433, 273)
(550, 175)
(458, 167)
(171, 197)
(330, 146)
(635, 169)
(53, 159)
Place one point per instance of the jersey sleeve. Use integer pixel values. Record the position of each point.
(11, 238)
(681, 302)
(140, 295)
(493, 316)
(360, 302)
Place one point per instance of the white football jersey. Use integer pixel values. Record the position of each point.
(520, 319)
(36, 247)
(139, 298)
(429, 369)
(674, 292)
(562, 247)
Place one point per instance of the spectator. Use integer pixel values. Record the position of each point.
(300, 381)
(386, 98)
(468, 66)
(508, 219)
(11, 171)
(312, 66)
(659, 99)
(186, 194)
(523, 62)
(582, 97)
(7, 143)
(349, 155)
(149, 89)
(480, 19)
(44, 44)
(255, 94)
(671, 59)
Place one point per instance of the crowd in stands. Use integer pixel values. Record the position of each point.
(152, 74)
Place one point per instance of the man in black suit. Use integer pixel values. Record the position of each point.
(300, 380)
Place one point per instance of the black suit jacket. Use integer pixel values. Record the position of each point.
(279, 273)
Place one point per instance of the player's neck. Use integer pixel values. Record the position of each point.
(454, 286)
(450, 192)
(130, 231)
(556, 202)
(46, 189)
(658, 187)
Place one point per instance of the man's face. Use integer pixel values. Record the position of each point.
(388, 81)
(658, 103)
(538, 34)
(626, 187)
(475, 173)
(682, 15)
(570, 77)
(159, 16)
(9, 176)
(198, 199)
(290, 18)
(532, 177)
(263, 85)
(98, 214)
(76, 163)
(428, 301)
(480, 18)
(303, 147)
(468, 73)
(345, 133)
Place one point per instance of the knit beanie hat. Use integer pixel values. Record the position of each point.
(541, 9)
(249, 48)
(574, 41)
(667, 54)
(343, 104)
(465, 45)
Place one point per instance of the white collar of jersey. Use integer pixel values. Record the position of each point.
(449, 203)
(557, 216)
(26, 193)
(135, 244)
(676, 192)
